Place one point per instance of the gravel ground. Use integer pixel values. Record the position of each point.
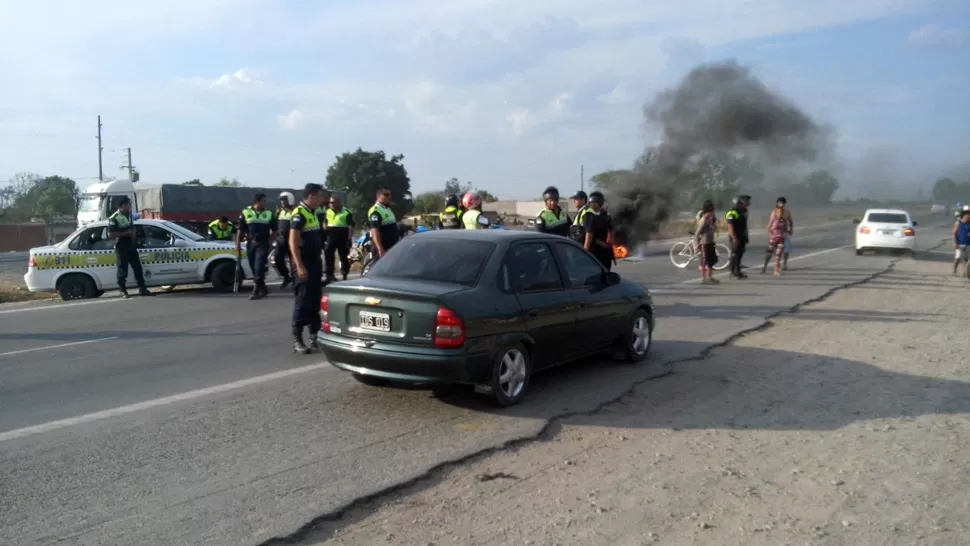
(844, 425)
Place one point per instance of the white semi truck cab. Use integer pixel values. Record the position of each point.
(100, 200)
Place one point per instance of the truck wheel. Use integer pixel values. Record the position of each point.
(76, 287)
(223, 276)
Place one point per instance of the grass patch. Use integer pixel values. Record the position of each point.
(12, 293)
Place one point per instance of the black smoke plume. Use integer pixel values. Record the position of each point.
(716, 108)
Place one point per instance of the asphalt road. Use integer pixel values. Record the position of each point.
(185, 419)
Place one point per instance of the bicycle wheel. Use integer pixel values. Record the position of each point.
(723, 256)
(369, 262)
(681, 254)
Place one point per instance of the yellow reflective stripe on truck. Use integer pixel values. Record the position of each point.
(106, 258)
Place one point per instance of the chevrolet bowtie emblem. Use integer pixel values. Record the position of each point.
(372, 301)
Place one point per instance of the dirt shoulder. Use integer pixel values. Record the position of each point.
(844, 423)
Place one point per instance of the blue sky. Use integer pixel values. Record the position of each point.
(509, 95)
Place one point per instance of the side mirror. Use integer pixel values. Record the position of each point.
(915, 223)
(482, 221)
(611, 278)
(180, 243)
(856, 221)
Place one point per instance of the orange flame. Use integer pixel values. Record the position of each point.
(620, 251)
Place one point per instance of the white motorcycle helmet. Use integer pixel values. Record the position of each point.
(290, 200)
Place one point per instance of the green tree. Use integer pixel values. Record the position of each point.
(197, 182)
(225, 182)
(486, 196)
(946, 189)
(360, 173)
(428, 203)
(456, 187)
(820, 187)
(606, 181)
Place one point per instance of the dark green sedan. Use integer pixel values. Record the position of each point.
(482, 307)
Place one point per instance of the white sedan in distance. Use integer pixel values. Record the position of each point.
(885, 229)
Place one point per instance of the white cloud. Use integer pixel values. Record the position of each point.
(291, 120)
(233, 80)
(934, 35)
(619, 95)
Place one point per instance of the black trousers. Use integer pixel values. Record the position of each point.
(281, 259)
(605, 257)
(128, 256)
(737, 253)
(258, 255)
(306, 300)
(336, 247)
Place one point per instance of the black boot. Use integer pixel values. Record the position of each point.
(287, 281)
(143, 291)
(299, 347)
(257, 293)
(126, 295)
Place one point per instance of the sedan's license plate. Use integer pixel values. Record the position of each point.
(888, 231)
(375, 321)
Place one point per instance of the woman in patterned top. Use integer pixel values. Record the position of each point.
(777, 230)
(704, 242)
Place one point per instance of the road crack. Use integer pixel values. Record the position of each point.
(329, 524)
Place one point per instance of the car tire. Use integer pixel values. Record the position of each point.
(639, 336)
(76, 287)
(858, 252)
(371, 380)
(511, 372)
(223, 276)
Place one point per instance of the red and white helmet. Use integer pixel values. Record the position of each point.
(471, 200)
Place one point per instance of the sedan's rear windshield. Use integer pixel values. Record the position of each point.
(887, 218)
(458, 262)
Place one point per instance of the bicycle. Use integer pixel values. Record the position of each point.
(683, 253)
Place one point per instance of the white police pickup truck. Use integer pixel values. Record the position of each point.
(83, 265)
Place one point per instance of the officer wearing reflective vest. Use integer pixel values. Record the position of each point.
(340, 225)
(384, 231)
(256, 223)
(598, 230)
(552, 219)
(450, 218)
(473, 218)
(321, 213)
(577, 231)
(305, 248)
(221, 230)
(121, 229)
(737, 222)
(281, 253)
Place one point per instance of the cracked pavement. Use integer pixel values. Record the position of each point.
(223, 437)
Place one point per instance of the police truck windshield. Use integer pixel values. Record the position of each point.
(89, 203)
(454, 262)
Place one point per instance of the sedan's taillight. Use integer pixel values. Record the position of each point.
(909, 232)
(449, 329)
(864, 230)
(32, 262)
(325, 313)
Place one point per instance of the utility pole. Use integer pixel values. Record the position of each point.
(100, 149)
(129, 166)
(582, 178)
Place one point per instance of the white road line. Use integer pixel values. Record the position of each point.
(158, 402)
(61, 306)
(72, 344)
(792, 259)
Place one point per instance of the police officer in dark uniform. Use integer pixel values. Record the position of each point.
(450, 218)
(552, 219)
(221, 230)
(306, 249)
(121, 228)
(340, 225)
(577, 231)
(281, 254)
(384, 231)
(256, 224)
(598, 227)
(737, 222)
